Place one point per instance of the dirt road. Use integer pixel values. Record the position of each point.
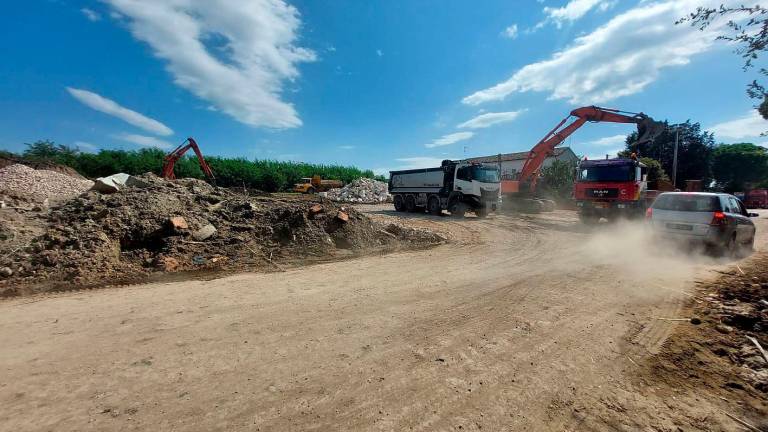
(520, 323)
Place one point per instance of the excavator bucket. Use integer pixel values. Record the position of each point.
(647, 130)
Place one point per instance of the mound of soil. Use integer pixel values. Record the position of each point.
(189, 225)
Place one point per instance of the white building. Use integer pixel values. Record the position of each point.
(512, 163)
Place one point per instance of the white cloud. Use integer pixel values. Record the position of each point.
(749, 126)
(347, 147)
(143, 140)
(108, 106)
(490, 119)
(617, 59)
(450, 139)
(510, 32)
(573, 10)
(611, 154)
(235, 55)
(85, 146)
(379, 52)
(91, 14)
(608, 141)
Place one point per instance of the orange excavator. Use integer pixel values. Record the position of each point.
(520, 194)
(171, 158)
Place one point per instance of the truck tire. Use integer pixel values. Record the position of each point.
(587, 219)
(481, 212)
(399, 203)
(311, 191)
(457, 210)
(433, 206)
(410, 204)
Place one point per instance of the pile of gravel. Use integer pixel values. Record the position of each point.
(38, 185)
(362, 190)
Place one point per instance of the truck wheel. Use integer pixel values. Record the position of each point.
(311, 191)
(433, 206)
(410, 204)
(481, 212)
(399, 203)
(588, 219)
(457, 210)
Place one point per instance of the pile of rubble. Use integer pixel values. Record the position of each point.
(23, 182)
(362, 190)
(159, 226)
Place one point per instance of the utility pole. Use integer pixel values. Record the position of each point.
(674, 158)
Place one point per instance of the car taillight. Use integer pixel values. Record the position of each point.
(718, 218)
(649, 213)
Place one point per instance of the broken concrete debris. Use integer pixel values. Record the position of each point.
(39, 185)
(178, 224)
(115, 182)
(363, 191)
(185, 225)
(204, 233)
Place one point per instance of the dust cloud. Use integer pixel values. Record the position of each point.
(628, 250)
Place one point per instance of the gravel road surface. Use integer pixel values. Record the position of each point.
(520, 323)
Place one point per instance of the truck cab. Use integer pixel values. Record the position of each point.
(611, 189)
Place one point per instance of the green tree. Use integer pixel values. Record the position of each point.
(694, 157)
(736, 166)
(557, 179)
(748, 31)
(655, 171)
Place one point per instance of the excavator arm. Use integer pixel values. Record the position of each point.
(171, 158)
(647, 130)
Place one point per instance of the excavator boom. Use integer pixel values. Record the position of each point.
(171, 158)
(647, 130)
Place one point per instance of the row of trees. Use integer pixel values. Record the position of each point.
(266, 175)
(726, 167)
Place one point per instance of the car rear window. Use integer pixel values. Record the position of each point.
(690, 203)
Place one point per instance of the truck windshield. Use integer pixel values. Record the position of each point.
(485, 174)
(608, 173)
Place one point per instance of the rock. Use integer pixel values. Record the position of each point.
(6, 272)
(315, 209)
(178, 223)
(204, 233)
(115, 182)
(166, 264)
(342, 216)
(362, 190)
(722, 328)
(695, 320)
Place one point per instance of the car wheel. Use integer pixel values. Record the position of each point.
(730, 248)
(745, 249)
(399, 203)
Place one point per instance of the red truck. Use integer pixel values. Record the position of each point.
(757, 198)
(612, 189)
(605, 188)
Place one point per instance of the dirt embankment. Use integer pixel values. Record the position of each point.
(181, 226)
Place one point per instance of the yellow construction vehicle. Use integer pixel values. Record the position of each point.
(310, 185)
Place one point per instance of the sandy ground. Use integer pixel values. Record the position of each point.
(520, 323)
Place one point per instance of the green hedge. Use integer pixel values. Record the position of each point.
(266, 175)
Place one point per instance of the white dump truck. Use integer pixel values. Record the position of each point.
(456, 186)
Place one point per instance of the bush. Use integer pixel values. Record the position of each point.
(266, 175)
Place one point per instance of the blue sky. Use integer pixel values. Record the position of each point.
(377, 84)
